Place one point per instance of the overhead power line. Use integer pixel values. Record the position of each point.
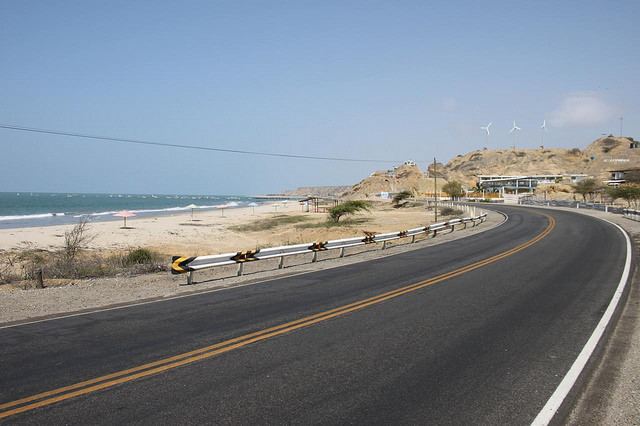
(181, 146)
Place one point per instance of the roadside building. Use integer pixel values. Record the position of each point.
(617, 177)
(523, 184)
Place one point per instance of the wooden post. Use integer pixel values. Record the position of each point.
(39, 279)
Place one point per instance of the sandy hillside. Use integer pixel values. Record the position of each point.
(403, 178)
(604, 154)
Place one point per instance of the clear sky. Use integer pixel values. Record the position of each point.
(388, 80)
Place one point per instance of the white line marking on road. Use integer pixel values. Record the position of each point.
(553, 404)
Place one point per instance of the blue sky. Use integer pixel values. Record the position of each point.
(388, 80)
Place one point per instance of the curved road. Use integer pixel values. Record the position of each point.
(479, 330)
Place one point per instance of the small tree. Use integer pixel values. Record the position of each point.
(629, 192)
(400, 199)
(453, 189)
(348, 208)
(586, 187)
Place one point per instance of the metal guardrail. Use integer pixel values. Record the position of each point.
(575, 204)
(632, 214)
(189, 265)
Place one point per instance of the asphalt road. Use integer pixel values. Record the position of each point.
(482, 346)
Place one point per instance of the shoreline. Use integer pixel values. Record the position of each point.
(217, 231)
(26, 215)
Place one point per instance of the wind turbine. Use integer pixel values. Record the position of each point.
(486, 129)
(513, 129)
(544, 130)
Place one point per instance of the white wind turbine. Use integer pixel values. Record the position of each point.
(486, 129)
(544, 130)
(516, 129)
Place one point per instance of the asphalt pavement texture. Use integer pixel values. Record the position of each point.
(486, 347)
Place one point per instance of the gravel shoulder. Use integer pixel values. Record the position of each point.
(18, 305)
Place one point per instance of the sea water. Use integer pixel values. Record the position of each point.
(27, 209)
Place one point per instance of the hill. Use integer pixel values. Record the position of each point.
(318, 191)
(596, 160)
(402, 178)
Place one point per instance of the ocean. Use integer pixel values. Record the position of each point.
(28, 209)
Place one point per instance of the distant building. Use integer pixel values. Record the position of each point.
(516, 184)
(617, 177)
(409, 163)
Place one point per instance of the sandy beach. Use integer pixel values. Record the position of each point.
(216, 231)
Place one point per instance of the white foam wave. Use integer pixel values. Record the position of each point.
(30, 216)
(169, 209)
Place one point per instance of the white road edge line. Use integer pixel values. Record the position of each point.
(215, 290)
(547, 413)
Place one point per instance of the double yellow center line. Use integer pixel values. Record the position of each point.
(104, 382)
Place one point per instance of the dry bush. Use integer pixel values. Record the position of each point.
(76, 239)
(448, 211)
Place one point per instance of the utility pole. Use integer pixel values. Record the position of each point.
(435, 189)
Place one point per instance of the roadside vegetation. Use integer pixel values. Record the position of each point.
(348, 208)
(630, 193)
(401, 199)
(345, 223)
(453, 189)
(74, 260)
(587, 188)
(448, 211)
(270, 223)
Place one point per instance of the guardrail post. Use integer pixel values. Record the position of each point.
(341, 251)
(189, 277)
(281, 262)
(384, 245)
(413, 238)
(315, 256)
(240, 268)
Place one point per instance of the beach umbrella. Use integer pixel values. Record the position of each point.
(125, 214)
(192, 206)
(253, 207)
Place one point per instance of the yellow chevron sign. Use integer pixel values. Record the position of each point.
(180, 265)
(318, 246)
(245, 256)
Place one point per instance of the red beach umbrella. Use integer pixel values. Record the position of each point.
(125, 214)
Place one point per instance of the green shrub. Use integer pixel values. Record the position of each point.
(453, 189)
(348, 208)
(448, 211)
(139, 256)
(400, 199)
(270, 223)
